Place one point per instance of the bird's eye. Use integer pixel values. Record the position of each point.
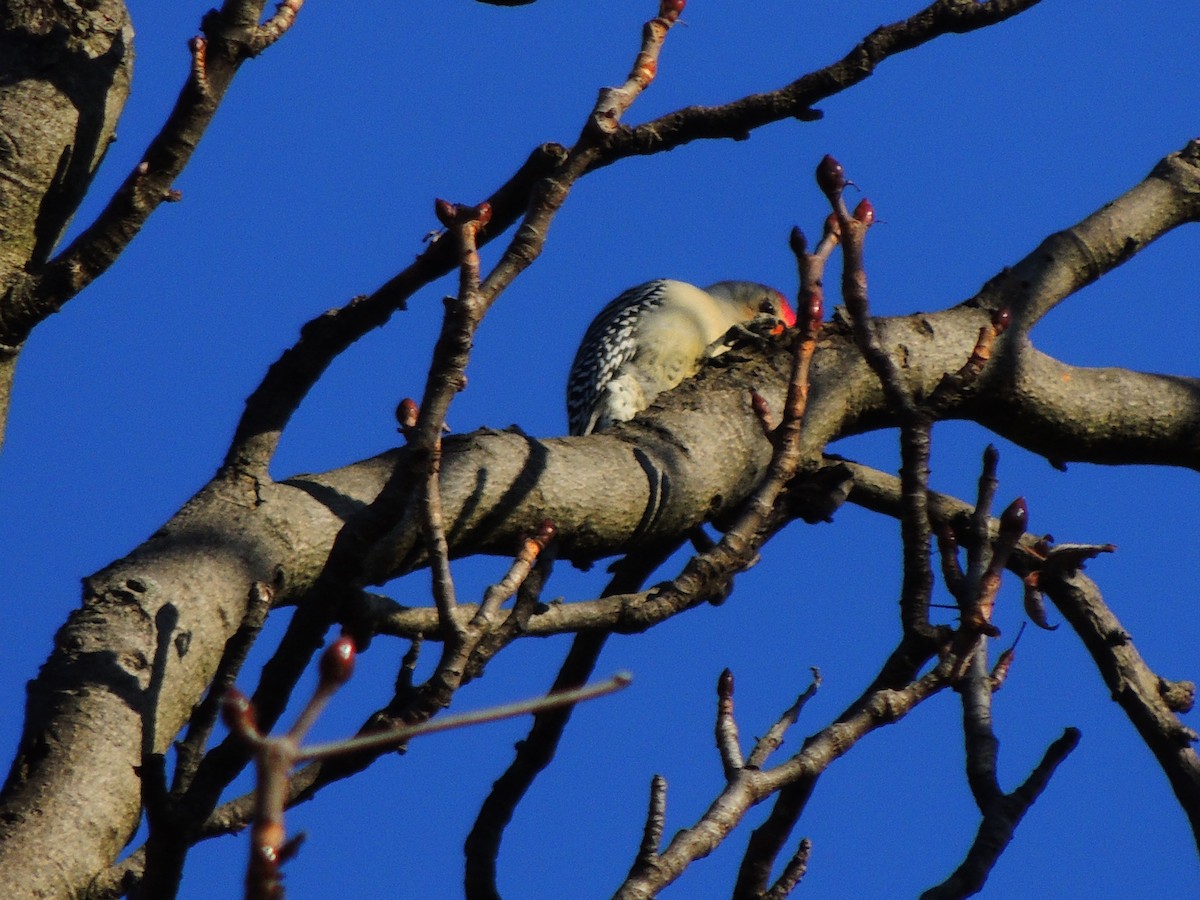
(766, 307)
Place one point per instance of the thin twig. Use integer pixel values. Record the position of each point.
(790, 877)
(535, 752)
(771, 741)
(728, 744)
(398, 736)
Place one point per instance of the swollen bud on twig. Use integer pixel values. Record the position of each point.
(406, 415)
(831, 177)
(545, 533)
(670, 9)
(1014, 519)
(445, 211)
(483, 213)
(797, 241)
(337, 662)
(725, 684)
(991, 457)
(865, 212)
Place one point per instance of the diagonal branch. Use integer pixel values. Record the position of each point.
(795, 101)
(1000, 822)
(1151, 702)
(216, 58)
(1169, 196)
(545, 180)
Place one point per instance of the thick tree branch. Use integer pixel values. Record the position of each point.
(703, 441)
(65, 71)
(1075, 257)
(542, 185)
(229, 40)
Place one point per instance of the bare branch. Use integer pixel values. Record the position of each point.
(792, 873)
(537, 750)
(771, 741)
(795, 101)
(1071, 259)
(751, 786)
(656, 820)
(1145, 697)
(215, 60)
(999, 822)
(728, 745)
(270, 406)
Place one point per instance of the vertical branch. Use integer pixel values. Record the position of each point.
(982, 746)
(447, 377)
(537, 750)
(917, 586)
(999, 824)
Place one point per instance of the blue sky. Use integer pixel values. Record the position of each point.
(315, 183)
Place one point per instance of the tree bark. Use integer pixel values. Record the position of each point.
(65, 70)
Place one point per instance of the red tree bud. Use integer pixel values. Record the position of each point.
(865, 212)
(831, 177)
(725, 683)
(445, 211)
(406, 413)
(483, 213)
(670, 9)
(337, 662)
(1015, 518)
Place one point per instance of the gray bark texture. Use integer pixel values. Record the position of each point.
(132, 662)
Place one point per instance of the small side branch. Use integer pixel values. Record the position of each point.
(751, 786)
(273, 29)
(790, 877)
(999, 823)
(654, 869)
(652, 831)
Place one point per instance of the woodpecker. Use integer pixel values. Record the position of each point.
(651, 338)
